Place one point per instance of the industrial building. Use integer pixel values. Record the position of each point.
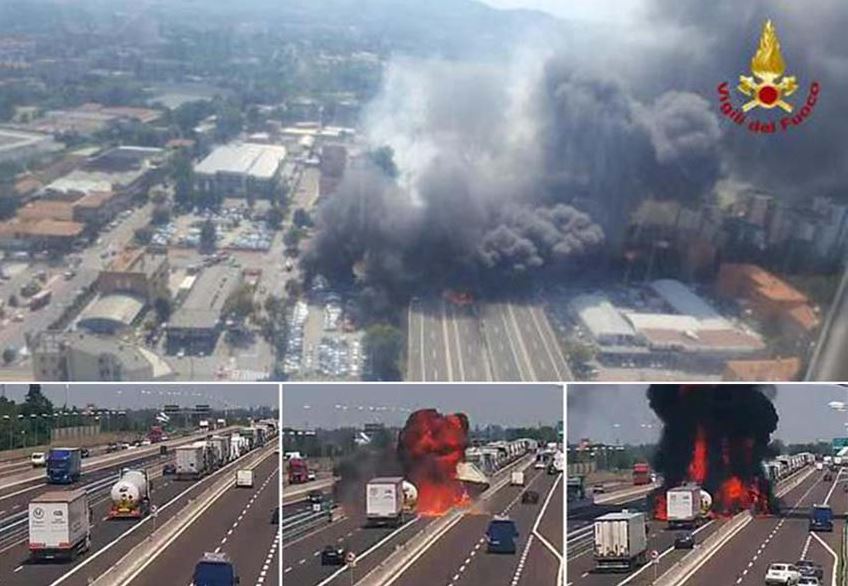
(196, 325)
(17, 146)
(111, 314)
(136, 272)
(86, 357)
(602, 320)
(241, 169)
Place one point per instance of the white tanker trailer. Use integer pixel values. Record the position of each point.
(130, 495)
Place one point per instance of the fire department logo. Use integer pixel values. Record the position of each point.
(768, 87)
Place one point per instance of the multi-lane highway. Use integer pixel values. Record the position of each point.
(457, 556)
(742, 559)
(239, 524)
(503, 341)
(113, 540)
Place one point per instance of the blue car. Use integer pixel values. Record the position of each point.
(501, 535)
(215, 569)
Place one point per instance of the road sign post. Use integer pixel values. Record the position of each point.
(655, 561)
(350, 559)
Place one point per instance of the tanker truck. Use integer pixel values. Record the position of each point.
(130, 495)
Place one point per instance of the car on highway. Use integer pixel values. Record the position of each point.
(169, 469)
(501, 535)
(38, 459)
(598, 489)
(783, 574)
(315, 497)
(333, 555)
(810, 568)
(275, 516)
(828, 477)
(809, 581)
(310, 476)
(110, 448)
(685, 541)
(530, 497)
(84, 453)
(215, 569)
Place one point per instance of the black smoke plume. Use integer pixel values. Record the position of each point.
(717, 436)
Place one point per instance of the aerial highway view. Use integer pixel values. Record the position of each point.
(707, 484)
(139, 485)
(431, 484)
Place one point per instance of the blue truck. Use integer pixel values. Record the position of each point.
(821, 518)
(501, 535)
(64, 465)
(215, 569)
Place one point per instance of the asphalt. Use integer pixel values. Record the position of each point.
(460, 557)
(784, 538)
(110, 539)
(504, 341)
(238, 525)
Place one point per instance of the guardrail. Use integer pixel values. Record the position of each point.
(683, 568)
(302, 522)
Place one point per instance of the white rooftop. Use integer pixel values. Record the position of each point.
(663, 321)
(600, 316)
(244, 158)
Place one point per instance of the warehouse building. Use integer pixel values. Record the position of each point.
(195, 326)
(602, 320)
(241, 169)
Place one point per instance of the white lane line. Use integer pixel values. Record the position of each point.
(833, 554)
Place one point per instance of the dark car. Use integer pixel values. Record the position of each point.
(84, 453)
(685, 541)
(169, 469)
(530, 497)
(112, 448)
(333, 556)
(828, 477)
(316, 496)
(810, 568)
(275, 516)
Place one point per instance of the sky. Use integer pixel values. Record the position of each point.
(611, 413)
(602, 11)
(333, 406)
(136, 396)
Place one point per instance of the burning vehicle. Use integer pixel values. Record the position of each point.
(712, 452)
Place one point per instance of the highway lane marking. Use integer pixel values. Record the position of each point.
(370, 550)
(520, 568)
(833, 487)
(545, 542)
(216, 475)
(832, 553)
(445, 338)
(661, 556)
(806, 547)
(522, 345)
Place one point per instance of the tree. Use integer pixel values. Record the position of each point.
(240, 303)
(208, 236)
(9, 354)
(35, 403)
(301, 218)
(13, 301)
(383, 345)
(161, 215)
(182, 173)
(274, 218)
(162, 307)
(143, 235)
(292, 237)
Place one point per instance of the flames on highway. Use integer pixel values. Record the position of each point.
(429, 448)
(715, 436)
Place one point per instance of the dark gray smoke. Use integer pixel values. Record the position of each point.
(521, 168)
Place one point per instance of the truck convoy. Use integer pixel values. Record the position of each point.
(130, 495)
(388, 500)
(64, 465)
(687, 506)
(821, 518)
(59, 525)
(620, 541)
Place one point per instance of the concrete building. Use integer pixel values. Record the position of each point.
(241, 169)
(196, 325)
(81, 356)
(111, 314)
(17, 146)
(602, 320)
(138, 273)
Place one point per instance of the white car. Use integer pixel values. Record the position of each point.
(38, 459)
(809, 581)
(784, 574)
